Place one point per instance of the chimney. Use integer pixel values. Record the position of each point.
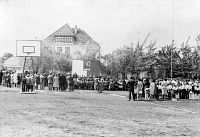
(75, 29)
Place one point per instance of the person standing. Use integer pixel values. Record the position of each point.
(1, 76)
(101, 86)
(62, 81)
(164, 88)
(139, 89)
(28, 82)
(37, 80)
(32, 83)
(146, 89)
(8, 80)
(156, 91)
(56, 82)
(96, 85)
(4, 79)
(50, 82)
(19, 77)
(152, 88)
(23, 83)
(15, 79)
(71, 83)
(131, 86)
(12, 78)
(45, 82)
(41, 82)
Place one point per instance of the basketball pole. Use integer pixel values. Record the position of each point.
(32, 64)
(24, 65)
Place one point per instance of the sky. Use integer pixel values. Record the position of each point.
(111, 23)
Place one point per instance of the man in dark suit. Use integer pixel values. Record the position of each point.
(1, 76)
(62, 81)
(131, 85)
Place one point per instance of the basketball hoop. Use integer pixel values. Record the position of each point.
(29, 49)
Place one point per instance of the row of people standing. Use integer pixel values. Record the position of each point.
(10, 79)
(100, 82)
(139, 89)
(163, 89)
(53, 82)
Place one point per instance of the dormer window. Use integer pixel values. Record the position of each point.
(63, 39)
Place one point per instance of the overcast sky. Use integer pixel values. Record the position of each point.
(112, 23)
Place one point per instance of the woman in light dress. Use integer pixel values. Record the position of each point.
(56, 82)
(139, 89)
(15, 79)
(152, 88)
(164, 88)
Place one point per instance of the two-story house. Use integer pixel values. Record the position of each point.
(72, 41)
(76, 43)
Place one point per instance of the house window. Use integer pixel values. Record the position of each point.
(67, 50)
(62, 39)
(59, 49)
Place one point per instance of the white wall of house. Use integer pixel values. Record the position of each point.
(77, 67)
(73, 50)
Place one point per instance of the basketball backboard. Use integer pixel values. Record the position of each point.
(28, 48)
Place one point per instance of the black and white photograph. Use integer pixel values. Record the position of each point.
(99, 68)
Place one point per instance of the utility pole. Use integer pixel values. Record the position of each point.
(172, 44)
(100, 59)
(171, 71)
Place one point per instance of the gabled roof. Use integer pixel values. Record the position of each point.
(80, 37)
(13, 62)
(65, 30)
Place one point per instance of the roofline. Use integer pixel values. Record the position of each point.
(59, 30)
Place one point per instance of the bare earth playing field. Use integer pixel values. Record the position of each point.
(86, 113)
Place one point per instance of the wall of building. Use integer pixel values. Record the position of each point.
(94, 69)
(78, 68)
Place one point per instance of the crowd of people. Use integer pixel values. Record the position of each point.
(30, 82)
(59, 81)
(138, 88)
(163, 89)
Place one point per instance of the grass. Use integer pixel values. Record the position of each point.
(86, 113)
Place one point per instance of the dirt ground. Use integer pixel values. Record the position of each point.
(88, 114)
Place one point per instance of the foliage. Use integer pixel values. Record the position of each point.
(87, 52)
(50, 61)
(7, 56)
(145, 57)
(132, 58)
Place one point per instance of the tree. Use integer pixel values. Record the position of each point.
(87, 52)
(186, 60)
(7, 56)
(136, 58)
(149, 58)
(163, 59)
(50, 61)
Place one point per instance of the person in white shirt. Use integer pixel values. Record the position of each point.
(15, 80)
(139, 89)
(152, 88)
(164, 88)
